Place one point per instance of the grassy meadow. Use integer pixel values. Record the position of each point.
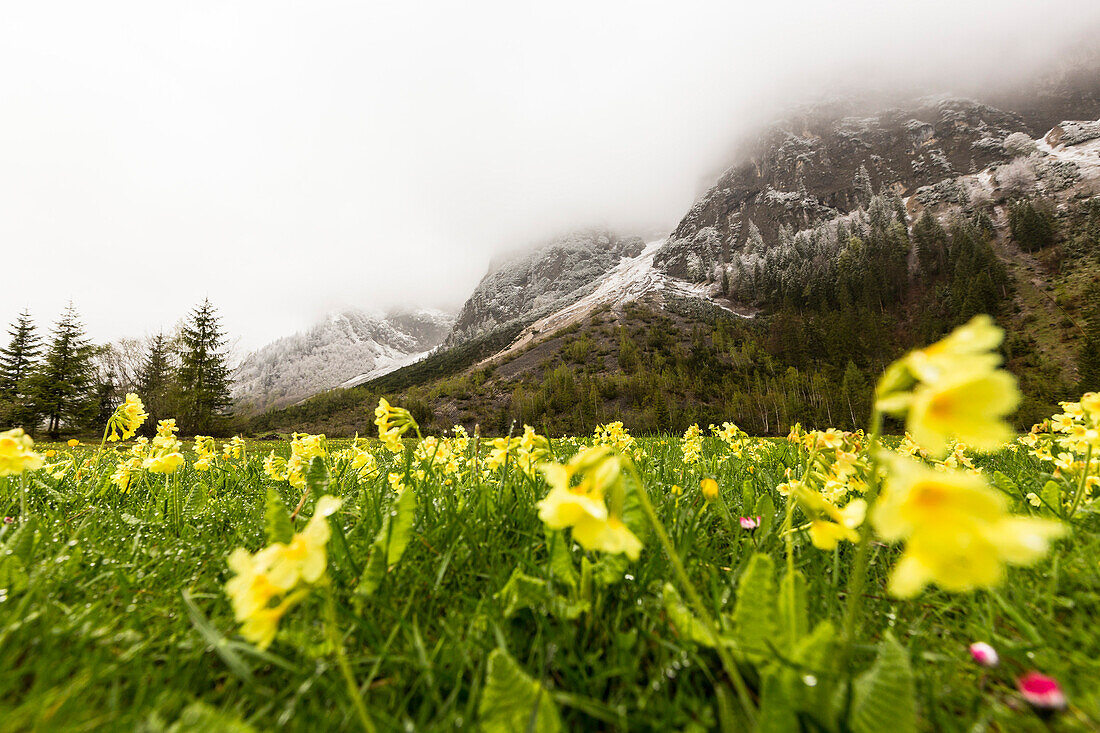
(114, 614)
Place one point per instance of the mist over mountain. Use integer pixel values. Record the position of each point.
(841, 235)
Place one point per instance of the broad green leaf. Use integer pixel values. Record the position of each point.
(403, 515)
(561, 560)
(21, 543)
(884, 697)
(1052, 498)
(755, 614)
(793, 616)
(765, 509)
(777, 710)
(522, 591)
(683, 620)
(512, 702)
(390, 543)
(276, 520)
(317, 476)
(373, 571)
(748, 494)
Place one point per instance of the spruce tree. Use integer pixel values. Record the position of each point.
(204, 377)
(63, 389)
(17, 363)
(156, 378)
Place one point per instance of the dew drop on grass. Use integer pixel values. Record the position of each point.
(810, 680)
(628, 576)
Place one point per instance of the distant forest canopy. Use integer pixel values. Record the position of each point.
(61, 383)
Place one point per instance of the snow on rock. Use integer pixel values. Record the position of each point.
(346, 348)
(631, 279)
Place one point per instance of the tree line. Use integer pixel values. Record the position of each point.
(62, 382)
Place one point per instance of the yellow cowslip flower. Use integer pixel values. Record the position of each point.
(531, 450)
(275, 467)
(260, 627)
(164, 455)
(261, 579)
(127, 418)
(123, 475)
(73, 442)
(957, 530)
(610, 535)
(17, 453)
(953, 389)
(303, 559)
(1090, 404)
(692, 444)
(615, 435)
(830, 524)
(392, 423)
(709, 487)
(50, 453)
(303, 449)
(233, 448)
(583, 506)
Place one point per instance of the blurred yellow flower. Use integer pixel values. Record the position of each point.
(73, 442)
(709, 487)
(583, 506)
(17, 453)
(953, 390)
(958, 532)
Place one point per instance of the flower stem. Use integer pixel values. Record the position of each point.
(696, 600)
(859, 572)
(342, 661)
(1079, 494)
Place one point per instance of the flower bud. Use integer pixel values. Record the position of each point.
(984, 654)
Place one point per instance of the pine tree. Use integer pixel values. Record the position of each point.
(156, 378)
(17, 363)
(862, 183)
(63, 389)
(204, 376)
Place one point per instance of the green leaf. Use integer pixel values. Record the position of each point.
(748, 494)
(373, 572)
(513, 701)
(755, 614)
(1052, 498)
(683, 620)
(765, 509)
(793, 616)
(403, 515)
(276, 519)
(317, 476)
(522, 591)
(777, 710)
(561, 560)
(884, 697)
(21, 543)
(390, 543)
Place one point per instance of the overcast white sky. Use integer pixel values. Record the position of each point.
(286, 159)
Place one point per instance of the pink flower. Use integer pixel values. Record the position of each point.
(9, 520)
(1041, 692)
(750, 523)
(984, 654)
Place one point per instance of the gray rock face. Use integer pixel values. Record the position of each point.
(524, 288)
(343, 347)
(810, 168)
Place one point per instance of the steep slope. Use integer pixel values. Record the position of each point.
(345, 349)
(524, 288)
